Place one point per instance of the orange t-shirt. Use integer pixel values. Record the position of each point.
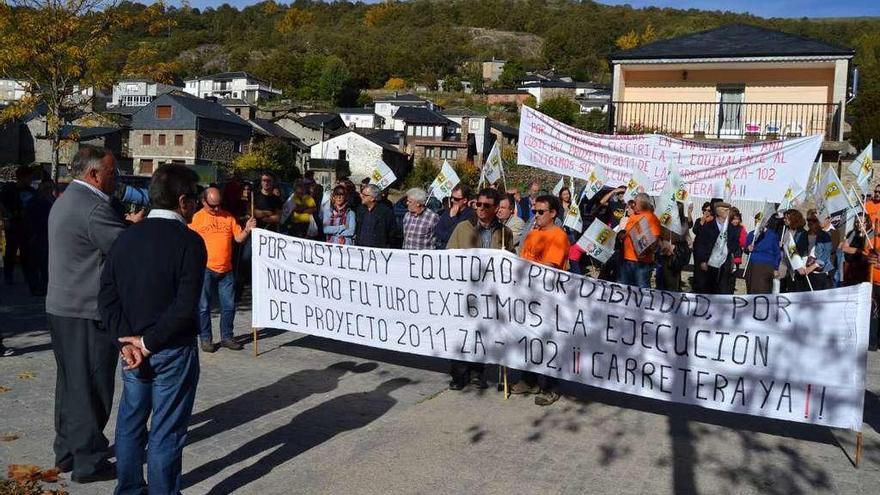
(219, 232)
(867, 252)
(629, 251)
(873, 210)
(547, 247)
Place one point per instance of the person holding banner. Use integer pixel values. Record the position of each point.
(339, 219)
(507, 216)
(545, 244)
(642, 232)
(458, 211)
(485, 231)
(419, 223)
(815, 247)
(375, 225)
(762, 246)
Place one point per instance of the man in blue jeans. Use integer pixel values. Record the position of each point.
(218, 228)
(150, 289)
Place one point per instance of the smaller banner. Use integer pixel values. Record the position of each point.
(598, 241)
(641, 235)
(831, 194)
(863, 168)
(382, 175)
(791, 252)
(792, 197)
(595, 182)
(492, 168)
(446, 180)
(639, 182)
(719, 250)
(573, 218)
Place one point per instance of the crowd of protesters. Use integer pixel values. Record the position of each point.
(148, 280)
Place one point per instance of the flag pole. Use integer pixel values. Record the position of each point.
(254, 329)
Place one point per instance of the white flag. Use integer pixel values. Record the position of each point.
(719, 250)
(639, 182)
(831, 196)
(863, 168)
(382, 175)
(724, 189)
(446, 180)
(815, 179)
(792, 197)
(492, 168)
(598, 241)
(286, 209)
(678, 186)
(791, 252)
(666, 208)
(595, 182)
(766, 213)
(559, 186)
(573, 218)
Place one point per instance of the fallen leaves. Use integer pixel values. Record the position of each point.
(9, 438)
(26, 375)
(25, 479)
(3, 389)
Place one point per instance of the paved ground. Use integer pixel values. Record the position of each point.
(311, 415)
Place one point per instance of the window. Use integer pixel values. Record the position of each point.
(147, 139)
(236, 146)
(146, 167)
(161, 140)
(475, 125)
(410, 130)
(447, 153)
(237, 111)
(163, 112)
(429, 152)
(178, 140)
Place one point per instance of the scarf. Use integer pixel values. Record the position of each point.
(338, 216)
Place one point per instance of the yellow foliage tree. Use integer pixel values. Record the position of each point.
(376, 14)
(293, 20)
(59, 50)
(395, 83)
(628, 41)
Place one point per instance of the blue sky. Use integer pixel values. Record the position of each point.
(763, 8)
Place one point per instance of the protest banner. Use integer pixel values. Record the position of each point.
(595, 182)
(759, 170)
(382, 175)
(764, 355)
(831, 196)
(558, 187)
(445, 182)
(666, 208)
(492, 168)
(573, 218)
(791, 197)
(863, 168)
(598, 241)
(638, 182)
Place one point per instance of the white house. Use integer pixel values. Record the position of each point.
(543, 90)
(387, 107)
(361, 152)
(359, 118)
(241, 85)
(474, 124)
(138, 92)
(11, 90)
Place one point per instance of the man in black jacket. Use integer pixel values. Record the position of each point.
(708, 279)
(375, 225)
(149, 298)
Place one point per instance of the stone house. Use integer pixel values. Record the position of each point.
(360, 150)
(431, 135)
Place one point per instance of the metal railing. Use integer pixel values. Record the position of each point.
(717, 120)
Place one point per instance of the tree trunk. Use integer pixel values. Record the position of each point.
(56, 144)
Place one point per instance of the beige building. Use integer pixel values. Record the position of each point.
(733, 82)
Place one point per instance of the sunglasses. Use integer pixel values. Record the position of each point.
(453, 198)
(480, 204)
(539, 212)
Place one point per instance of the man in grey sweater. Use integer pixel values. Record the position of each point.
(82, 228)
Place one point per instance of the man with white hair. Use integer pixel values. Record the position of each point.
(82, 228)
(419, 223)
(375, 225)
(639, 243)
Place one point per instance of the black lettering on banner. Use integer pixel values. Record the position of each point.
(644, 333)
(478, 343)
(646, 375)
(782, 302)
(608, 328)
(766, 391)
(632, 323)
(720, 345)
(593, 364)
(612, 367)
(700, 384)
(684, 381)
(464, 341)
(535, 311)
(741, 390)
(629, 368)
(719, 387)
(554, 349)
(683, 351)
(281, 311)
(697, 343)
(664, 378)
(273, 247)
(785, 394)
(745, 350)
(657, 338)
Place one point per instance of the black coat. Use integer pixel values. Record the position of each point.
(377, 227)
(705, 237)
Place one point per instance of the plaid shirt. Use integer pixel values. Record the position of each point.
(418, 230)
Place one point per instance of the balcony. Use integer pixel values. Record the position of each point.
(713, 120)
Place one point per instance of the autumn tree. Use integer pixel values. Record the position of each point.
(58, 49)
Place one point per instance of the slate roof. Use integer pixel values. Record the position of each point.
(206, 109)
(330, 121)
(390, 136)
(355, 110)
(233, 102)
(733, 40)
(86, 133)
(419, 115)
(461, 112)
(505, 129)
(400, 98)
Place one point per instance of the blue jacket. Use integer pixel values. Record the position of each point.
(767, 250)
(446, 224)
(823, 249)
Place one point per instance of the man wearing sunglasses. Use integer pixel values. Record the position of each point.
(458, 211)
(546, 244)
(484, 231)
(218, 228)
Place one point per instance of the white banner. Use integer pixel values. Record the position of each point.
(445, 182)
(598, 241)
(797, 357)
(492, 167)
(573, 218)
(757, 170)
(382, 175)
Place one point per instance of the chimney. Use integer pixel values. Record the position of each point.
(465, 125)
